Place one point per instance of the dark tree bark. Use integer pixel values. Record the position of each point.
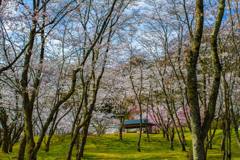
(121, 128)
(227, 121)
(22, 147)
(79, 155)
(172, 139)
(5, 130)
(5, 144)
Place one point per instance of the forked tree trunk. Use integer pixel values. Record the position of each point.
(199, 129)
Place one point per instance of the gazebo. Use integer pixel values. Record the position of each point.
(130, 124)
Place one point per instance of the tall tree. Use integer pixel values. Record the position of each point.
(199, 128)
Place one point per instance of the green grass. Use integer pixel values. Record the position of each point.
(110, 148)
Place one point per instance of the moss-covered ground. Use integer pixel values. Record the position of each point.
(109, 147)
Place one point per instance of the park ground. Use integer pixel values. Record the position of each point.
(109, 147)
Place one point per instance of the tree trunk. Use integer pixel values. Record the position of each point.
(210, 139)
(121, 129)
(147, 130)
(5, 129)
(22, 148)
(227, 121)
(83, 141)
(10, 144)
(1, 138)
(28, 129)
(199, 129)
(235, 125)
(52, 131)
(198, 147)
(237, 135)
(223, 137)
(5, 145)
(48, 142)
(140, 133)
(163, 133)
(75, 135)
(172, 139)
(180, 133)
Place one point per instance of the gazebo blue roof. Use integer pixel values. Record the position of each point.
(135, 121)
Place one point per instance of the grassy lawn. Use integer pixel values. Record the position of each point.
(109, 147)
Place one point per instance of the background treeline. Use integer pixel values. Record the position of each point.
(75, 66)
